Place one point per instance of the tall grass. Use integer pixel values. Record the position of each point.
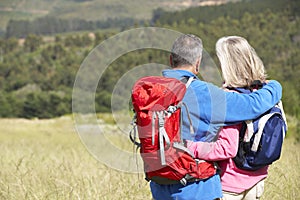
(283, 181)
(45, 159)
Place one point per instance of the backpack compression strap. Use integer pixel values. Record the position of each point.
(163, 136)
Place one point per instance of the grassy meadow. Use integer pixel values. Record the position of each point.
(45, 159)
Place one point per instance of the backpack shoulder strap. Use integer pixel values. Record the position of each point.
(188, 83)
(261, 125)
(249, 131)
(187, 80)
(280, 106)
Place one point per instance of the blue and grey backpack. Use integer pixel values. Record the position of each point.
(261, 139)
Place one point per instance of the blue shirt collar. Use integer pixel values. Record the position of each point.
(177, 73)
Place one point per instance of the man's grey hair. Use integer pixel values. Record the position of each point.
(186, 50)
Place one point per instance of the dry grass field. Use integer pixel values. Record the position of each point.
(45, 159)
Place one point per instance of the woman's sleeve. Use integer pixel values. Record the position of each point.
(234, 107)
(224, 148)
(256, 103)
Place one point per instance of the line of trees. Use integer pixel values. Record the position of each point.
(50, 25)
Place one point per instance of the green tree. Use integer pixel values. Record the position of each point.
(32, 43)
(5, 108)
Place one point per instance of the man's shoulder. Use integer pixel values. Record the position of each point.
(198, 83)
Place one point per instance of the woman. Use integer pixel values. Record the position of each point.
(240, 68)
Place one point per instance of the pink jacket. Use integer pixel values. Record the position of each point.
(223, 150)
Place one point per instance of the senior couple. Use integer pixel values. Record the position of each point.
(215, 113)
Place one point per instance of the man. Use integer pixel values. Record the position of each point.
(209, 108)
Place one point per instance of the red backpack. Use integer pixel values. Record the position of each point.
(157, 102)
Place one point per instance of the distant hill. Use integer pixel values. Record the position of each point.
(37, 72)
(91, 9)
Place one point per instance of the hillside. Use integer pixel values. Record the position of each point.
(37, 78)
(90, 9)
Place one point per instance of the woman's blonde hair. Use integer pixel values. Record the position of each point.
(239, 62)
